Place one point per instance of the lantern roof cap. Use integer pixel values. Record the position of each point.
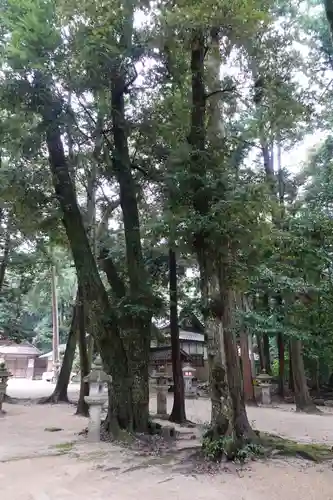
(97, 374)
(188, 368)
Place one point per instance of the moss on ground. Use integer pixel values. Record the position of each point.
(64, 447)
(286, 447)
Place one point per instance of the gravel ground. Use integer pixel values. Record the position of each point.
(36, 464)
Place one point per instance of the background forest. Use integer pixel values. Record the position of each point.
(143, 155)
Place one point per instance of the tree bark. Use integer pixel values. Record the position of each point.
(243, 429)
(329, 14)
(267, 355)
(248, 387)
(82, 407)
(303, 400)
(130, 412)
(222, 417)
(280, 346)
(6, 252)
(260, 352)
(246, 369)
(291, 371)
(228, 409)
(60, 391)
(136, 327)
(178, 410)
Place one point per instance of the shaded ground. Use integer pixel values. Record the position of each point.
(41, 465)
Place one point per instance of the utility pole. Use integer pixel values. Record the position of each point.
(55, 326)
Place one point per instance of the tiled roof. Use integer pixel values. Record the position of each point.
(23, 349)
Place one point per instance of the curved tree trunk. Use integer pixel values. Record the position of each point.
(60, 391)
(303, 400)
(178, 410)
(103, 322)
(82, 407)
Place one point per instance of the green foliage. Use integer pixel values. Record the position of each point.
(227, 447)
(278, 247)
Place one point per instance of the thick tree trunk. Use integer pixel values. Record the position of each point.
(303, 400)
(132, 393)
(129, 402)
(267, 354)
(102, 319)
(241, 423)
(178, 410)
(222, 417)
(329, 14)
(60, 392)
(82, 407)
(280, 346)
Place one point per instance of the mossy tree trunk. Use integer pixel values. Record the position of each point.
(131, 393)
(228, 409)
(242, 427)
(128, 367)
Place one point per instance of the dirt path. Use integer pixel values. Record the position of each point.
(105, 472)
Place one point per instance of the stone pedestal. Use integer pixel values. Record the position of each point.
(161, 385)
(189, 388)
(97, 398)
(30, 369)
(4, 376)
(95, 404)
(266, 397)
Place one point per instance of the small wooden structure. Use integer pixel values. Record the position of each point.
(22, 360)
(161, 356)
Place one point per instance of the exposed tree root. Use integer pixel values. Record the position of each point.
(310, 410)
(286, 447)
(264, 445)
(55, 398)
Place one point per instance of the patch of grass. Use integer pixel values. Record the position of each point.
(65, 447)
(286, 447)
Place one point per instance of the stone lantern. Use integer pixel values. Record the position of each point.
(188, 374)
(4, 376)
(97, 398)
(162, 385)
(265, 384)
